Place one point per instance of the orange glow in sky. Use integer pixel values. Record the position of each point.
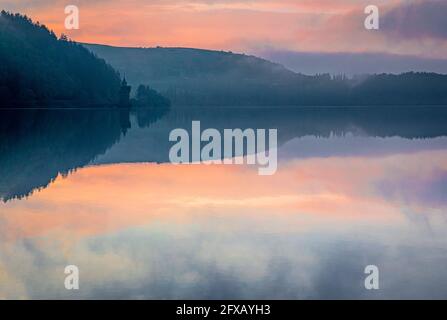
(238, 25)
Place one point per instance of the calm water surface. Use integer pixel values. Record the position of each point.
(94, 188)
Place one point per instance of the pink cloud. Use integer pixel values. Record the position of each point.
(105, 199)
(238, 25)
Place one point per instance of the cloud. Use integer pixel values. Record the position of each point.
(92, 201)
(251, 25)
(217, 263)
(419, 19)
(320, 221)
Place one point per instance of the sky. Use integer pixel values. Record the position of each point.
(412, 27)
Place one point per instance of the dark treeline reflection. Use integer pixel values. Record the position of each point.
(407, 122)
(38, 145)
(152, 145)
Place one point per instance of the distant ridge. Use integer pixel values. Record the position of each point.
(349, 63)
(199, 77)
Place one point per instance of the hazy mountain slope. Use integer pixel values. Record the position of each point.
(202, 77)
(164, 65)
(194, 76)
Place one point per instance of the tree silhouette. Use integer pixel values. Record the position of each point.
(37, 69)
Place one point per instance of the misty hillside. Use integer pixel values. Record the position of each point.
(38, 69)
(197, 77)
(205, 77)
(167, 64)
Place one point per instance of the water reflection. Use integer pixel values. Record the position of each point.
(38, 145)
(353, 188)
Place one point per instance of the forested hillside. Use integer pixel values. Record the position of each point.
(38, 69)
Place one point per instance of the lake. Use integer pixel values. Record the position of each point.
(94, 188)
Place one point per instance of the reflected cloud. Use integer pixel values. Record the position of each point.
(356, 191)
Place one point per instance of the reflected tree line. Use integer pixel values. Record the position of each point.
(38, 145)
